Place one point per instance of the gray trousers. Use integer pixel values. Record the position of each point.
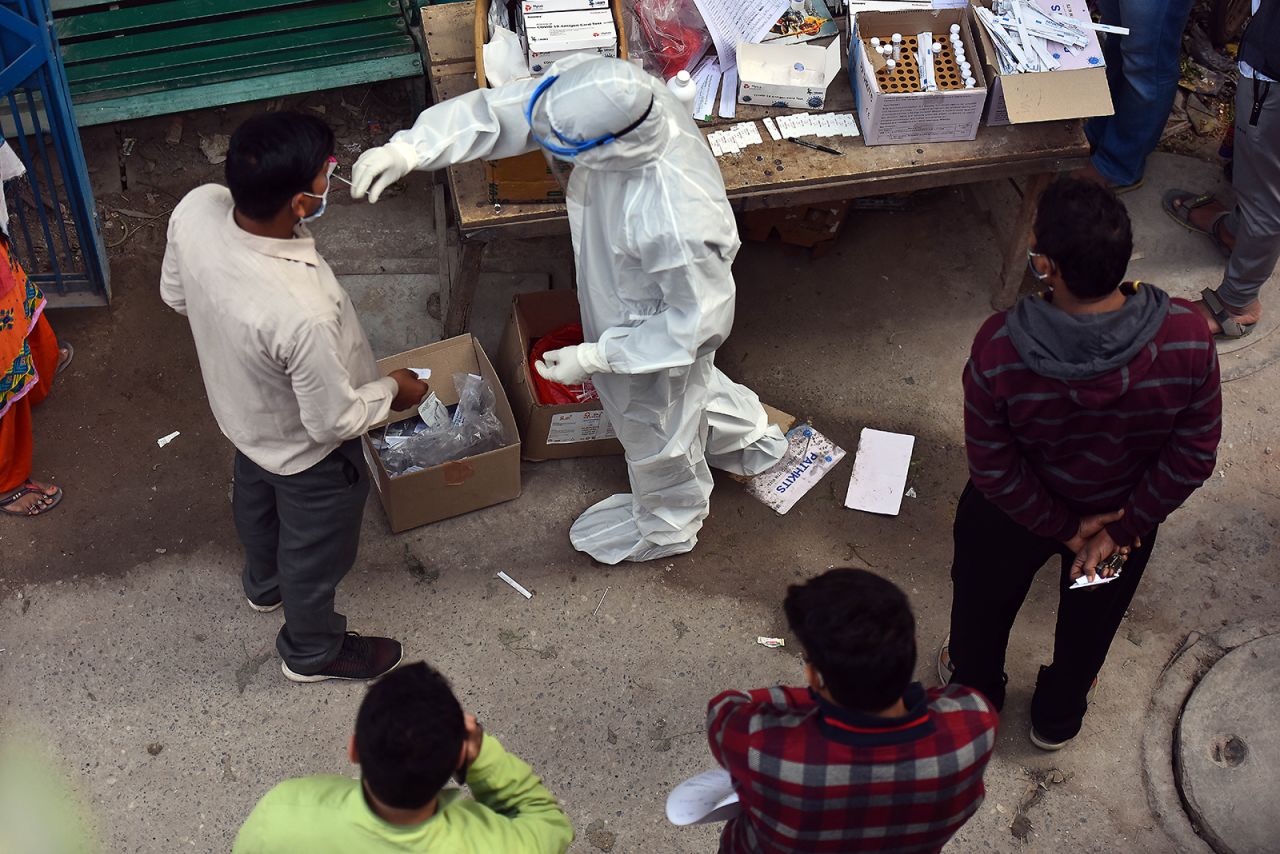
(1255, 221)
(300, 534)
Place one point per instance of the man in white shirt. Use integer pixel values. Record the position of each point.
(291, 380)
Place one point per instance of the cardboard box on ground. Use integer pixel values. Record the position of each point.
(947, 115)
(527, 178)
(457, 486)
(1068, 93)
(811, 226)
(548, 432)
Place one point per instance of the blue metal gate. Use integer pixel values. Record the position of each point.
(54, 226)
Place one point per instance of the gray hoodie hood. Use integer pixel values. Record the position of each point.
(1071, 347)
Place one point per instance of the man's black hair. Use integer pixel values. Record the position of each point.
(1085, 230)
(272, 158)
(409, 734)
(858, 631)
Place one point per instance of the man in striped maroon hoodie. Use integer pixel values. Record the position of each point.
(1092, 412)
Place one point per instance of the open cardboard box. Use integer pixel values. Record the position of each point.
(550, 432)
(526, 177)
(1044, 96)
(458, 486)
(764, 74)
(946, 115)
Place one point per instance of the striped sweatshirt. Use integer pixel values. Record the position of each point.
(1069, 415)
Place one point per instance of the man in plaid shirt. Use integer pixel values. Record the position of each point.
(863, 759)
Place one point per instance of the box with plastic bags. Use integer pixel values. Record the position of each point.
(467, 458)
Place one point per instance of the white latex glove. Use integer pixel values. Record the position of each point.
(572, 365)
(379, 168)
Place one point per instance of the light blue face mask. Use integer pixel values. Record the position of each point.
(323, 197)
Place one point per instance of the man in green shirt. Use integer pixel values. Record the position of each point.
(411, 736)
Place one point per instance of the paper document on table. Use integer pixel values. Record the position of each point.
(705, 798)
(706, 81)
(880, 472)
(729, 93)
(734, 21)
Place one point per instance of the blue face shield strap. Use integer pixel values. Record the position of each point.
(574, 147)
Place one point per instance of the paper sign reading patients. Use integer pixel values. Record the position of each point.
(880, 472)
(568, 427)
(809, 456)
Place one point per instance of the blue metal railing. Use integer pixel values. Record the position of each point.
(59, 237)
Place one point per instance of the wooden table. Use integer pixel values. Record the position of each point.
(1035, 152)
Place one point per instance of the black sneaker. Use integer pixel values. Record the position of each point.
(360, 658)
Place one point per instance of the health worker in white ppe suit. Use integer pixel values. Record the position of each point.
(654, 238)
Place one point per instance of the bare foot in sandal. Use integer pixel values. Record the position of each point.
(1245, 317)
(1209, 218)
(30, 499)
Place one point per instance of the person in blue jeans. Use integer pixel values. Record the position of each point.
(1142, 72)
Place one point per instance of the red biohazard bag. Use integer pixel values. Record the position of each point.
(553, 394)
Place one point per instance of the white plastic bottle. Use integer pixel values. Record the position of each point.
(683, 87)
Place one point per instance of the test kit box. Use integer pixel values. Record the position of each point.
(526, 177)
(549, 432)
(890, 117)
(549, 36)
(1077, 90)
(776, 75)
(530, 7)
(458, 486)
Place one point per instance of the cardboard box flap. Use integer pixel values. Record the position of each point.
(1051, 95)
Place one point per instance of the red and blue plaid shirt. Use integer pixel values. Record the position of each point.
(812, 777)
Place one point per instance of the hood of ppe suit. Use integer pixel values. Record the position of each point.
(595, 96)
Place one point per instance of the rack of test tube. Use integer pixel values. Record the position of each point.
(920, 63)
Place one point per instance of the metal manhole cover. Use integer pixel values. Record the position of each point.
(1228, 750)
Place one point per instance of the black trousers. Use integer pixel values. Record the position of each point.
(995, 562)
(300, 534)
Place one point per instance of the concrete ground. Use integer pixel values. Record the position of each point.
(128, 655)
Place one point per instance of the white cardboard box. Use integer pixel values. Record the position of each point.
(765, 74)
(549, 36)
(576, 26)
(538, 62)
(535, 6)
(887, 118)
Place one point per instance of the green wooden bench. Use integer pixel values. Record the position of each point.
(133, 58)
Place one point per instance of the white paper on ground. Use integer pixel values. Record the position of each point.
(880, 471)
(703, 798)
(164, 440)
(809, 456)
(734, 21)
(729, 94)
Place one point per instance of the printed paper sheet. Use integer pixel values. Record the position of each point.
(734, 21)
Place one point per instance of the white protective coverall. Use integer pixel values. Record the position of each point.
(654, 238)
